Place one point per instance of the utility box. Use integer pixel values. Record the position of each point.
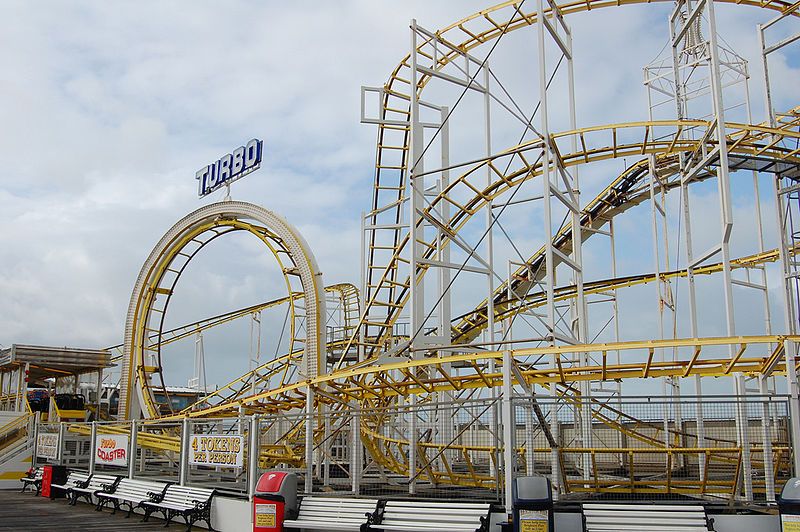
(53, 474)
(275, 500)
(789, 506)
(533, 505)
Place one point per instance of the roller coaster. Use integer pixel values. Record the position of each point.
(455, 311)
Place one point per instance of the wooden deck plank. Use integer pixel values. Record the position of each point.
(24, 511)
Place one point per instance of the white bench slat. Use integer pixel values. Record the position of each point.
(644, 518)
(183, 497)
(324, 525)
(645, 507)
(436, 504)
(639, 528)
(332, 513)
(424, 526)
(72, 479)
(428, 515)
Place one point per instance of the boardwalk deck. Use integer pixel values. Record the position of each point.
(24, 511)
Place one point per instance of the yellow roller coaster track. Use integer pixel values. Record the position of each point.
(376, 382)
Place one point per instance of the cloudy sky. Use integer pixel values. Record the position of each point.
(109, 108)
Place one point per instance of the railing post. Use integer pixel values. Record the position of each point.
(132, 448)
(92, 447)
(355, 450)
(62, 429)
(253, 454)
(794, 403)
(184, 454)
(35, 434)
(309, 481)
(509, 431)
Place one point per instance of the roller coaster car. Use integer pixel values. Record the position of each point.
(70, 406)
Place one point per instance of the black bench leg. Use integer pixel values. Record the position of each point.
(168, 515)
(130, 510)
(147, 511)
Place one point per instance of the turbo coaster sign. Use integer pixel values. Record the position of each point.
(229, 167)
(111, 450)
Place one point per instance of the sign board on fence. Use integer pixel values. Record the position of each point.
(111, 449)
(266, 515)
(225, 451)
(533, 521)
(791, 523)
(47, 445)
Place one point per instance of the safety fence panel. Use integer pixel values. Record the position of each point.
(158, 450)
(712, 448)
(218, 454)
(282, 443)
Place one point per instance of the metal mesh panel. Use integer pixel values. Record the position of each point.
(657, 448)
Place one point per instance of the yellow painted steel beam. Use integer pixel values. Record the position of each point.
(351, 382)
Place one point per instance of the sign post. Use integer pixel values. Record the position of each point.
(229, 168)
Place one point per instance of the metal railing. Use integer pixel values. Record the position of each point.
(449, 449)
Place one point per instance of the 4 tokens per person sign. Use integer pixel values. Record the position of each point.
(211, 450)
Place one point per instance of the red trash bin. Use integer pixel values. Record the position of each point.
(275, 500)
(53, 475)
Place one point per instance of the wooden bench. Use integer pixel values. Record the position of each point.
(646, 518)
(329, 513)
(132, 493)
(97, 482)
(32, 479)
(193, 504)
(75, 479)
(427, 515)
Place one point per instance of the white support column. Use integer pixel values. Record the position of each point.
(726, 215)
(20, 387)
(767, 89)
(790, 321)
(489, 250)
(548, 225)
(416, 232)
(553, 175)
